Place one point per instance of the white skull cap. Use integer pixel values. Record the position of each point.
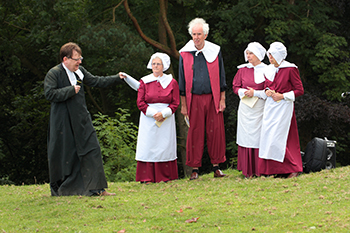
(256, 48)
(278, 51)
(162, 56)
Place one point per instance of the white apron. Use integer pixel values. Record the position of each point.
(156, 144)
(249, 124)
(275, 129)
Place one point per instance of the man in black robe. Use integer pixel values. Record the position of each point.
(74, 154)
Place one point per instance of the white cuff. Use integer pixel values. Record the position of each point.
(150, 111)
(241, 92)
(133, 83)
(289, 96)
(166, 112)
(261, 94)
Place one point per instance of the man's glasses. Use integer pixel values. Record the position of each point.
(76, 59)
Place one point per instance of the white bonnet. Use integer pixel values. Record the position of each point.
(256, 48)
(165, 60)
(278, 51)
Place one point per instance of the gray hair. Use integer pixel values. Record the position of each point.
(197, 21)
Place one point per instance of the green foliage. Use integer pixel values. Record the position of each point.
(23, 144)
(331, 62)
(117, 139)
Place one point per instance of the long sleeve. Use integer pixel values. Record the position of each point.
(133, 83)
(141, 98)
(99, 81)
(295, 80)
(237, 82)
(174, 104)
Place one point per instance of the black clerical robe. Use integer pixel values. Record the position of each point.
(74, 154)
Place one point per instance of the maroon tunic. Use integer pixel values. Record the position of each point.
(153, 92)
(244, 78)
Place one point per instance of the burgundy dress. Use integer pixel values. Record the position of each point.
(248, 156)
(286, 80)
(152, 93)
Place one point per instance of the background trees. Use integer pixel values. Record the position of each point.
(31, 33)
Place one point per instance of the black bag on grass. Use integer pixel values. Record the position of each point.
(315, 156)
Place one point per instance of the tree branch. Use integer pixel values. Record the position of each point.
(150, 41)
(24, 29)
(163, 15)
(116, 8)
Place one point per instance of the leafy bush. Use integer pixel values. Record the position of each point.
(117, 138)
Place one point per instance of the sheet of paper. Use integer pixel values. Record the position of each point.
(250, 101)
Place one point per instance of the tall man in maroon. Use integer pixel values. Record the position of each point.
(202, 86)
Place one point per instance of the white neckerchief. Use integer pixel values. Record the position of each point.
(271, 70)
(163, 80)
(210, 50)
(71, 76)
(258, 71)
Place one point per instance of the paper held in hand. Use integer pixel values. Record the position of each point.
(159, 123)
(249, 101)
(187, 120)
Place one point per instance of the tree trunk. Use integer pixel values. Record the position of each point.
(181, 126)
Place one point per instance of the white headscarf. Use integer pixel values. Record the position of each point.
(165, 60)
(278, 51)
(256, 48)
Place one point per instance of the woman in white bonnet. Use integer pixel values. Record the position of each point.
(158, 98)
(279, 140)
(248, 84)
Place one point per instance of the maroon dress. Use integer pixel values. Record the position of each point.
(247, 157)
(286, 80)
(149, 93)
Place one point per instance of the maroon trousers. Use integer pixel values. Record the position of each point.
(204, 119)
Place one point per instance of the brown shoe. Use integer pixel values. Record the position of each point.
(218, 173)
(194, 176)
(294, 174)
(105, 193)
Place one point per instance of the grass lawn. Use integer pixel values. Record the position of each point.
(317, 202)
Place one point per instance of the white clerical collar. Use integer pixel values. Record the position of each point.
(258, 71)
(164, 80)
(210, 50)
(271, 70)
(71, 76)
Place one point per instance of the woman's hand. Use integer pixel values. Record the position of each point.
(121, 75)
(277, 97)
(269, 92)
(158, 117)
(249, 92)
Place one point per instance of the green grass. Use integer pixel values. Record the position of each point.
(318, 202)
